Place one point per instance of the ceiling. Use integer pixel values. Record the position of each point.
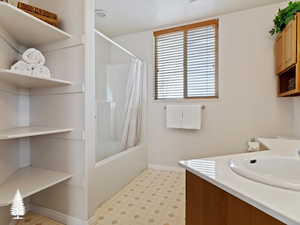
(129, 16)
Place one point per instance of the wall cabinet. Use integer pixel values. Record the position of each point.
(290, 44)
(279, 54)
(286, 51)
(208, 204)
(287, 60)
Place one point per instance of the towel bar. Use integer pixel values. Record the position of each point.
(203, 107)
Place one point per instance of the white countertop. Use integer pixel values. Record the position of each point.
(281, 204)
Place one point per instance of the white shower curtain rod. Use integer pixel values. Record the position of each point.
(116, 44)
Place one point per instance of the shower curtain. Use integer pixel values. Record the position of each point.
(135, 99)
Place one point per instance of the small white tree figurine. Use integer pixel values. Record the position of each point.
(17, 209)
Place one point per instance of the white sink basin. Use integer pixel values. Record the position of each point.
(283, 172)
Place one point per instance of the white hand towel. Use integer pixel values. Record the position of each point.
(34, 56)
(184, 116)
(41, 71)
(21, 67)
(192, 117)
(174, 116)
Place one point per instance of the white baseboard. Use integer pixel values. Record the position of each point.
(168, 168)
(60, 217)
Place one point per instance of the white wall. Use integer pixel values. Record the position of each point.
(296, 116)
(248, 106)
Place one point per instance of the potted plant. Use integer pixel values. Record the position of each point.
(284, 16)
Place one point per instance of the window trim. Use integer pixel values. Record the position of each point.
(185, 28)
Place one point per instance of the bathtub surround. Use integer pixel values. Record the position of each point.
(120, 98)
(248, 105)
(128, 164)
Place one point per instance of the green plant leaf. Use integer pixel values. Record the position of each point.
(284, 16)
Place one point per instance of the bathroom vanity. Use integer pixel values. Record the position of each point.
(208, 204)
(217, 194)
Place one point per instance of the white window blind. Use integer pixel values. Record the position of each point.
(170, 66)
(186, 61)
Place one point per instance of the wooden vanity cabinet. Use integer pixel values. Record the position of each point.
(206, 204)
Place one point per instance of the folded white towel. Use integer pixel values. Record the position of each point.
(40, 71)
(22, 67)
(174, 116)
(184, 116)
(34, 56)
(192, 117)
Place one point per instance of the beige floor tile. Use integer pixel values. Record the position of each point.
(153, 198)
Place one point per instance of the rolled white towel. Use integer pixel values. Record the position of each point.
(21, 67)
(34, 56)
(41, 71)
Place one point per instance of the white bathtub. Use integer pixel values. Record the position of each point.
(127, 165)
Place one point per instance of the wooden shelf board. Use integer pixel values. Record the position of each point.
(30, 181)
(27, 81)
(22, 132)
(289, 93)
(282, 73)
(26, 29)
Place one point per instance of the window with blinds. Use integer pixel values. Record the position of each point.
(186, 61)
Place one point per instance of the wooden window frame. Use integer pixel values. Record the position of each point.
(185, 29)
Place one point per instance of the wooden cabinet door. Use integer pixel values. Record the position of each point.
(286, 47)
(261, 218)
(238, 212)
(279, 54)
(290, 44)
(206, 204)
(241, 213)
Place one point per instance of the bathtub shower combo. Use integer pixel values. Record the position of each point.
(120, 93)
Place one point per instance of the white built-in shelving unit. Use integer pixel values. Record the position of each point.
(27, 81)
(28, 31)
(29, 181)
(23, 132)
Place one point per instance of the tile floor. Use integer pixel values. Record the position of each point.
(153, 198)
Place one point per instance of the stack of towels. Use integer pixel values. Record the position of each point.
(33, 64)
